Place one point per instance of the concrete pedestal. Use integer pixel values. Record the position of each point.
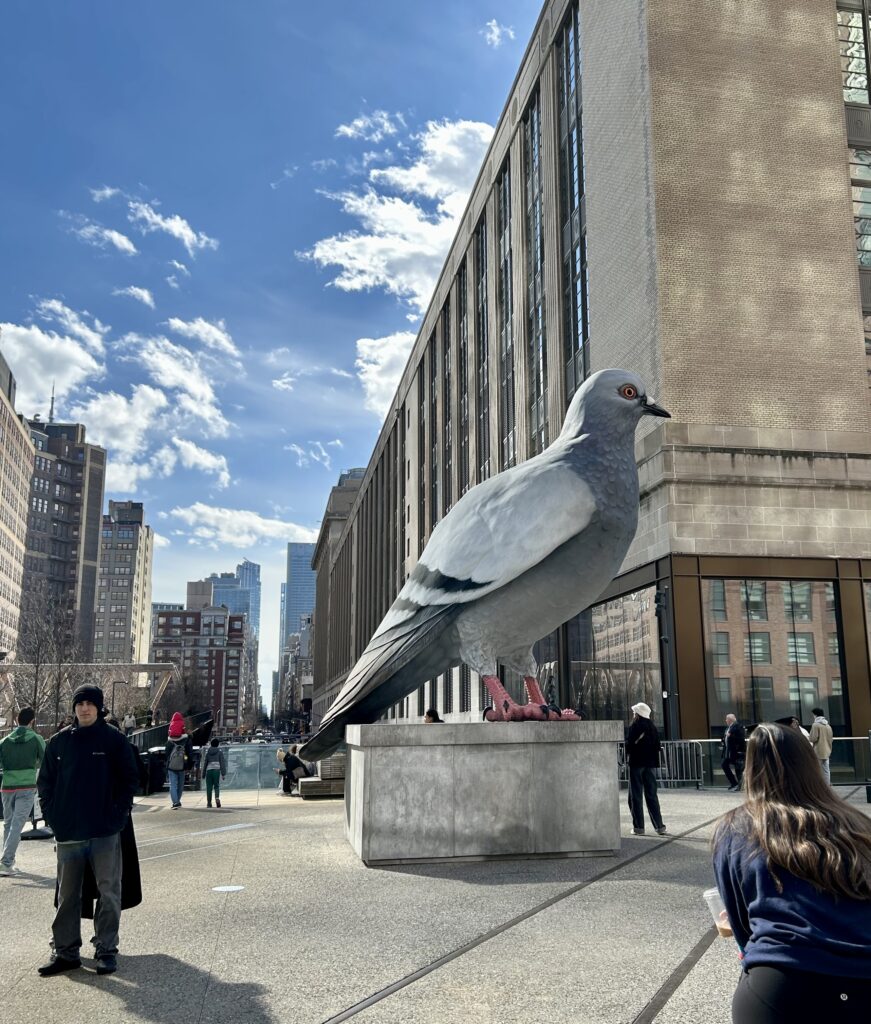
(483, 790)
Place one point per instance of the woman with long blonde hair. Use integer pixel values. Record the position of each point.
(793, 866)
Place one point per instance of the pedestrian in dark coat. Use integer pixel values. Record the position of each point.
(642, 755)
(86, 786)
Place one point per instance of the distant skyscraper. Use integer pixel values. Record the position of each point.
(239, 591)
(299, 597)
(66, 516)
(122, 626)
(16, 471)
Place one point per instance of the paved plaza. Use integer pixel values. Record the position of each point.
(313, 936)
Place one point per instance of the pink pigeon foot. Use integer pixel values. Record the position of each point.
(505, 709)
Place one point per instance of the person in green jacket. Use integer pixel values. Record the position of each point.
(20, 757)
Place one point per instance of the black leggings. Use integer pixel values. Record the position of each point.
(773, 995)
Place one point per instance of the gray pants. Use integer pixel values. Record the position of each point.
(827, 773)
(17, 805)
(104, 856)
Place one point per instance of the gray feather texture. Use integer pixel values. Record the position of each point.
(516, 557)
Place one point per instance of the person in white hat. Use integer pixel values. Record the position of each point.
(642, 756)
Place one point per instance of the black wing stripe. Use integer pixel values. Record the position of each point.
(432, 579)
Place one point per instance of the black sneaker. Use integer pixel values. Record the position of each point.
(217, 802)
(107, 964)
(661, 830)
(57, 965)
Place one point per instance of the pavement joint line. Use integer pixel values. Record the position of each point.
(194, 849)
(673, 982)
(204, 832)
(422, 972)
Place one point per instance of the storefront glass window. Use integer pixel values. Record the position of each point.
(614, 657)
(772, 650)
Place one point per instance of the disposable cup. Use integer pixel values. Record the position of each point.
(718, 912)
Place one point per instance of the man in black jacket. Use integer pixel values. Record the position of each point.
(642, 755)
(86, 786)
(734, 746)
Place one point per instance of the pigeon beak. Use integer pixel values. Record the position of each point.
(650, 408)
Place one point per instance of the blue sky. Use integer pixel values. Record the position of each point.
(220, 224)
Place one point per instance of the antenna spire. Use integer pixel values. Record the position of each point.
(51, 410)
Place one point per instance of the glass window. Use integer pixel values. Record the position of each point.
(862, 223)
(854, 57)
(797, 602)
(755, 600)
(609, 670)
(504, 306)
(571, 191)
(536, 330)
(482, 351)
(804, 695)
(718, 600)
(720, 648)
(800, 648)
(463, 374)
(757, 648)
(447, 439)
(834, 645)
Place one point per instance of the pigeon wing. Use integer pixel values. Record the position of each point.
(495, 533)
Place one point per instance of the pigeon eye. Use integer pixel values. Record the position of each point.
(628, 391)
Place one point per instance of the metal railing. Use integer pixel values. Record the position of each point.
(850, 763)
(681, 763)
(156, 735)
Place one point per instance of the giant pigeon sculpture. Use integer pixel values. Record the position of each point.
(517, 555)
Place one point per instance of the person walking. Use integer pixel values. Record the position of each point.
(86, 785)
(214, 767)
(821, 740)
(642, 755)
(734, 745)
(793, 868)
(21, 754)
(129, 723)
(179, 750)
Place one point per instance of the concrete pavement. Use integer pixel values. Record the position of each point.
(313, 936)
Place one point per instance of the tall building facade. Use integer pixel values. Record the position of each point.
(239, 591)
(299, 590)
(16, 471)
(212, 648)
(66, 517)
(632, 211)
(122, 630)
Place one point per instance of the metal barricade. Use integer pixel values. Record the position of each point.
(680, 763)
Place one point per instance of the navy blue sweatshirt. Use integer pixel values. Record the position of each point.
(799, 928)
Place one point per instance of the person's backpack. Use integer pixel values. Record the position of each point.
(176, 758)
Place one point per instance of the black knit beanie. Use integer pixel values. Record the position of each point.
(89, 692)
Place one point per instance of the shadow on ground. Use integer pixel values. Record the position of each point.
(163, 989)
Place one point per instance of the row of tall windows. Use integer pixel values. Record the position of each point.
(421, 459)
(434, 445)
(463, 371)
(482, 352)
(576, 331)
(505, 320)
(853, 46)
(536, 328)
(447, 431)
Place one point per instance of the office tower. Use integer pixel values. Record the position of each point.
(632, 211)
(299, 595)
(63, 535)
(16, 471)
(123, 614)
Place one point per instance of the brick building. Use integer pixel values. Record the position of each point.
(687, 196)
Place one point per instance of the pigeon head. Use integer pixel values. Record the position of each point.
(613, 400)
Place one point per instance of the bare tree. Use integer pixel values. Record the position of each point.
(189, 694)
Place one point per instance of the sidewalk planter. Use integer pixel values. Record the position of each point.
(480, 791)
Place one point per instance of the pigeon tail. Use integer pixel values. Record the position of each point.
(395, 663)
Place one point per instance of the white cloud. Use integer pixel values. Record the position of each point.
(142, 295)
(175, 367)
(285, 382)
(160, 541)
(335, 444)
(402, 240)
(380, 362)
(180, 267)
(95, 234)
(289, 378)
(316, 452)
(147, 219)
(194, 457)
(324, 165)
(286, 175)
(64, 357)
(212, 335)
(495, 34)
(238, 528)
(172, 281)
(99, 195)
(118, 424)
(372, 127)
(276, 355)
(300, 453)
